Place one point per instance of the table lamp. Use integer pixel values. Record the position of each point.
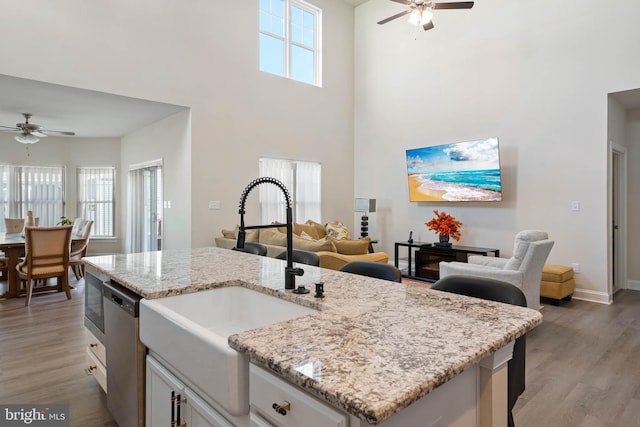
(365, 206)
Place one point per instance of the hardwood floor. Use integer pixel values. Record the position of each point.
(42, 356)
(583, 362)
(583, 366)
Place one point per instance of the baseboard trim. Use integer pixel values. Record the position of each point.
(633, 285)
(593, 296)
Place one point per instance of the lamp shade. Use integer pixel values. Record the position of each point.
(27, 139)
(365, 205)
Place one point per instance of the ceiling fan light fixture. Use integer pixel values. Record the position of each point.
(27, 138)
(419, 17)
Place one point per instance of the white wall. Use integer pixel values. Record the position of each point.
(204, 55)
(534, 74)
(70, 153)
(169, 140)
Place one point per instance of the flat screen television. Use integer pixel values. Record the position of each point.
(461, 172)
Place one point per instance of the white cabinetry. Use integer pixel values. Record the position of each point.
(453, 405)
(96, 359)
(186, 406)
(278, 403)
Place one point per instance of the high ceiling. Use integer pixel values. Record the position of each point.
(355, 3)
(88, 113)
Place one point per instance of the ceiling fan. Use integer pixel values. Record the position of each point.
(30, 133)
(422, 11)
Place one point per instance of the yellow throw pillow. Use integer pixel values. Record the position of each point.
(323, 244)
(271, 236)
(228, 234)
(306, 228)
(352, 247)
(320, 232)
(282, 229)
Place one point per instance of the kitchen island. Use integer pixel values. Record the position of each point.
(374, 349)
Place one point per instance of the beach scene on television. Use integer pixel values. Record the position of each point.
(460, 172)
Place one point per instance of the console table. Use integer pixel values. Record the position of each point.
(429, 256)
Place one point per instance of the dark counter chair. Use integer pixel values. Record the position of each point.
(495, 290)
(302, 257)
(252, 248)
(373, 269)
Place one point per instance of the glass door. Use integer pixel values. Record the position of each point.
(144, 208)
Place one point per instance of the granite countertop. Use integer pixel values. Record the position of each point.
(373, 348)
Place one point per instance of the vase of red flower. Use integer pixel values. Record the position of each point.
(446, 226)
(444, 240)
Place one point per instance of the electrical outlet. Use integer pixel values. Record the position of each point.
(576, 267)
(214, 204)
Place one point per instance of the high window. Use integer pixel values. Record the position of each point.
(96, 194)
(302, 179)
(39, 189)
(290, 40)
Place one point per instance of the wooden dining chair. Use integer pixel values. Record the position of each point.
(47, 252)
(4, 266)
(13, 225)
(79, 249)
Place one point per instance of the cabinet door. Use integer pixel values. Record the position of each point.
(160, 384)
(200, 414)
(302, 410)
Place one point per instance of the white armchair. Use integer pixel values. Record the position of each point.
(523, 269)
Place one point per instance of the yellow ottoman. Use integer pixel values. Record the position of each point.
(557, 283)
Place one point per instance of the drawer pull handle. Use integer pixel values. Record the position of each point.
(90, 369)
(282, 409)
(93, 345)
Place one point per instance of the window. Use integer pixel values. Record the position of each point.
(302, 179)
(39, 189)
(96, 193)
(290, 40)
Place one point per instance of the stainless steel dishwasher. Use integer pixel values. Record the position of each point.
(125, 355)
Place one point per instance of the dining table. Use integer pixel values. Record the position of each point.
(13, 245)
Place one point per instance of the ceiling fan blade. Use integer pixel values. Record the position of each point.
(8, 127)
(454, 5)
(60, 132)
(397, 15)
(39, 134)
(427, 26)
(407, 2)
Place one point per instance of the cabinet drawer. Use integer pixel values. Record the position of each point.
(97, 369)
(305, 410)
(96, 347)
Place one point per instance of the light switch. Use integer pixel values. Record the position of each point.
(575, 206)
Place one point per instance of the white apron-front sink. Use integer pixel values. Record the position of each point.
(190, 332)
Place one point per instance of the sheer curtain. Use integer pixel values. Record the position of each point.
(39, 189)
(272, 206)
(308, 192)
(4, 195)
(302, 179)
(144, 196)
(135, 208)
